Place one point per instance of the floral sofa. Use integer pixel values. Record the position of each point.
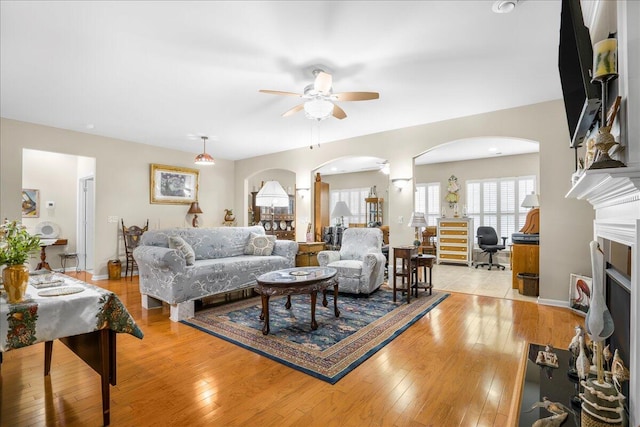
(360, 261)
(181, 265)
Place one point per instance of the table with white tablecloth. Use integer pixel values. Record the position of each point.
(84, 317)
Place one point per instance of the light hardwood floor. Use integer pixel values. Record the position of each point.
(456, 366)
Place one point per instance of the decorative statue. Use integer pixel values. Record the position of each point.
(228, 215)
(452, 195)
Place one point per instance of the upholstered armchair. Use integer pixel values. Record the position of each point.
(360, 262)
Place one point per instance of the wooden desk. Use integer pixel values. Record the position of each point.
(43, 254)
(524, 259)
(76, 329)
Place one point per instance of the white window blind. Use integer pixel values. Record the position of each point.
(354, 198)
(496, 203)
(428, 201)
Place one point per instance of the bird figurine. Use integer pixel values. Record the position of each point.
(553, 407)
(552, 421)
(574, 345)
(619, 372)
(583, 364)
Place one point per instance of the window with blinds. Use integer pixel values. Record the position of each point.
(428, 201)
(354, 198)
(496, 203)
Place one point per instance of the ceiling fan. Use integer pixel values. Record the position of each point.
(320, 98)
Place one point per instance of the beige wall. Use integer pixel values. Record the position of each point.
(121, 180)
(493, 167)
(41, 171)
(566, 225)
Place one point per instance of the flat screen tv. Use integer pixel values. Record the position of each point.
(575, 61)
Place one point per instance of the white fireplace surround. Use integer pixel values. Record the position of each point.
(615, 196)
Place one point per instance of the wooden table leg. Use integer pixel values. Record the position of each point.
(314, 324)
(324, 298)
(105, 350)
(288, 304)
(335, 300)
(265, 314)
(48, 351)
(43, 259)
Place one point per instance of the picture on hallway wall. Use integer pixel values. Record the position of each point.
(30, 203)
(579, 293)
(173, 185)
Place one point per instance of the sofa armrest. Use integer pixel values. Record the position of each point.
(327, 257)
(159, 258)
(287, 249)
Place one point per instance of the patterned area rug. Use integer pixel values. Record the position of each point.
(339, 345)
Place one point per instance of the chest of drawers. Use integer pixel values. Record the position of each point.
(455, 240)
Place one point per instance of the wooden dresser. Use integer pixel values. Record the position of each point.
(455, 240)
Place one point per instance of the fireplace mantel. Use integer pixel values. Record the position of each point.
(607, 187)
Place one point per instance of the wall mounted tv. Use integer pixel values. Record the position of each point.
(575, 61)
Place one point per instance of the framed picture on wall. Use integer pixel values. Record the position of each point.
(173, 184)
(30, 203)
(579, 293)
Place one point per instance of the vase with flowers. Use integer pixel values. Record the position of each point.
(16, 245)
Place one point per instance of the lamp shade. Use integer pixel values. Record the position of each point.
(194, 208)
(417, 220)
(204, 158)
(318, 109)
(340, 209)
(272, 194)
(530, 201)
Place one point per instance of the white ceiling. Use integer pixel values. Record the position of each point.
(162, 73)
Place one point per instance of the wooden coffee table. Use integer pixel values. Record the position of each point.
(296, 281)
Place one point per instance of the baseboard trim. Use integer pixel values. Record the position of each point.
(100, 277)
(553, 302)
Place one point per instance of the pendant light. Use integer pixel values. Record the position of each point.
(204, 158)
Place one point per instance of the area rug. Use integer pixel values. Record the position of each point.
(339, 345)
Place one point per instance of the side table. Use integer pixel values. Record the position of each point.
(426, 262)
(406, 269)
(307, 255)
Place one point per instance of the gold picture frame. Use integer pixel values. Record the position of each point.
(173, 184)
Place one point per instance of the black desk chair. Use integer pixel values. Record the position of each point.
(488, 242)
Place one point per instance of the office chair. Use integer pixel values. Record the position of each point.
(488, 242)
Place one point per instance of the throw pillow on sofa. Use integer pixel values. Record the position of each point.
(260, 244)
(177, 242)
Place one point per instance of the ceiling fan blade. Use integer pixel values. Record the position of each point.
(355, 96)
(323, 82)
(279, 92)
(293, 110)
(338, 112)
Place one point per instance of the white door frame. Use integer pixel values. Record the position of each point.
(86, 222)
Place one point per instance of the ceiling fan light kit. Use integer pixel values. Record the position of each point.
(318, 109)
(204, 159)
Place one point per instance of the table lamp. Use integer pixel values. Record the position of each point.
(417, 220)
(194, 210)
(341, 210)
(272, 194)
(532, 223)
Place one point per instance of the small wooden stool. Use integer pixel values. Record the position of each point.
(65, 256)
